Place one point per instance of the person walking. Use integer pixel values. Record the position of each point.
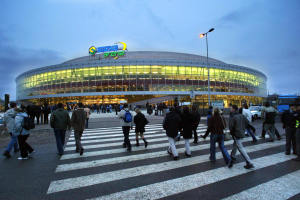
(172, 124)
(60, 122)
(187, 129)
(249, 129)
(22, 126)
(237, 126)
(196, 121)
(288, 119)
(9, 123)
(140, 122)
(216, 126)
(264, 112)
(125, 117)
(297, 133)
(46, 111)
(78, 121)
(269, 123)
(88, 113)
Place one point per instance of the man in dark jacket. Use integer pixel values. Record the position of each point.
(288, 119)
(172, 124)
(78, 121)
(298, 133)
(60, 122)
(237, 127)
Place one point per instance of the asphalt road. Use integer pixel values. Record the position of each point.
(107, 171)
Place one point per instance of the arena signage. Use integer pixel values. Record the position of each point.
(109, 50)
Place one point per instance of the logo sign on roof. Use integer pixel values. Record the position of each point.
(110, 51)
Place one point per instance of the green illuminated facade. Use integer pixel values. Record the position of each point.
(138, 73)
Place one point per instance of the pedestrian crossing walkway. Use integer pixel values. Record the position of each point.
(108, 171)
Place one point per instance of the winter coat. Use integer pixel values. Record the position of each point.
(288, 118)
(237, 125)
(187, 123)
(18, 129)
(121, 116)
(216, 125)
(60, 119)
(9, 119)
(140, 123)
(78, 119)
(196, 119)
(172, 124)
(88, 112)
(247, 114)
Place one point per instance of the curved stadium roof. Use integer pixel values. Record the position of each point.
(143, 58)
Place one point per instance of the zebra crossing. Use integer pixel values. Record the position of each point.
(108, 171)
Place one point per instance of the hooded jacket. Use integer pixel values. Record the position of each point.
(237, 125)
(18, 129)
(9, 119)
(172, 124)
(121, 116)
(60, 119)
(78, 119)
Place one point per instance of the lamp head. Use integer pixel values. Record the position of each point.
(202, 35)
(211, 30)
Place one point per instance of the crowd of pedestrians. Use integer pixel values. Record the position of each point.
(178, 122)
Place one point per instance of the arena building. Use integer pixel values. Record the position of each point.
(112, 76)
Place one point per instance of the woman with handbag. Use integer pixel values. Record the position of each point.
(140, 122)
(216, 126)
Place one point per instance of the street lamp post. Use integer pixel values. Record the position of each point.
(208, 76)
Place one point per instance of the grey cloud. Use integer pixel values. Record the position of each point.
(15, 60)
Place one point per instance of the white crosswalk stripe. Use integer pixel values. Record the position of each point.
(114, 155)
(275, 189)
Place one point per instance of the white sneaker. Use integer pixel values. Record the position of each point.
(21, 158)
(29, 154)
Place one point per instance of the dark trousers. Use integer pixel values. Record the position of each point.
(87, 123)
(25, 148)
(263, 133)
(60, 136)
(298, 141)
(194, 130)
(290, 140)
(126, 130)
(46, 121)
(37, 118)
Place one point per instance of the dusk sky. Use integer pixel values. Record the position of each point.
(263, 35)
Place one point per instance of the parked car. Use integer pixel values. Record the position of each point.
(255, 112)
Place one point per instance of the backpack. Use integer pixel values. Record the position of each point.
(28, 123)
(128, 117)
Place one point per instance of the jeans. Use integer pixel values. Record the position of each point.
(270, 128)
(126, 130)
(87, 123)
(60, 136)
(290, 140)
(214, 138)
(77, 135)
(237, 145)
(172, 147)
(12, 143)
(25, 148)
(249, 131)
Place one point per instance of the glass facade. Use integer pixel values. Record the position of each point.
(138, 78)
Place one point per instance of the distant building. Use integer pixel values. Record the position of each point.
(141, 76)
